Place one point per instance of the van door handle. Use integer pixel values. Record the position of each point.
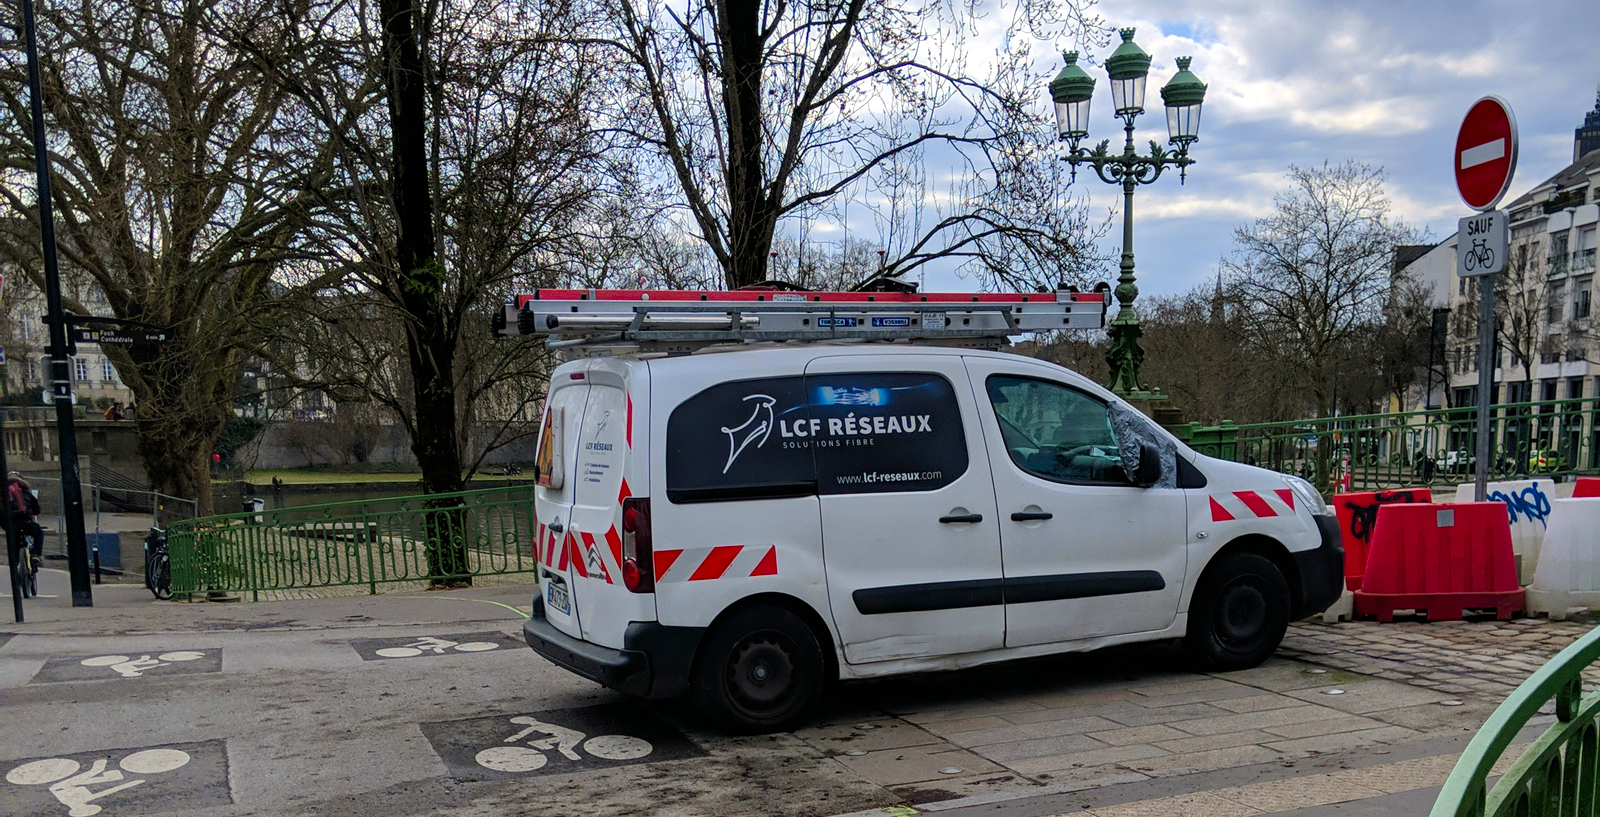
(556, 527)
(1031, 516)
(966, 517)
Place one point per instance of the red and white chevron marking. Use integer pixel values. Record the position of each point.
(1251, 505)
(721, 562)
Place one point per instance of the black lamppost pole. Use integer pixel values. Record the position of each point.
(1071, 91)
(60, 372)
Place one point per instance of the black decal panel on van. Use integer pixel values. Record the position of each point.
(879, 432)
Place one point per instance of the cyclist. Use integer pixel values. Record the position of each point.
(25, 509)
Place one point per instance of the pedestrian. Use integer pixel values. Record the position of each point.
(25, 510)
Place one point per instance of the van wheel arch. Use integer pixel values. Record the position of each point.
(794, 605)
(1273, 551)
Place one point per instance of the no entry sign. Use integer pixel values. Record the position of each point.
(1486, 153)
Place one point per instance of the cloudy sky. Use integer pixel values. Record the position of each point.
(1305, 81)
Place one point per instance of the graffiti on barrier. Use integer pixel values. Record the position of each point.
(1364, 512)
(1530, 502)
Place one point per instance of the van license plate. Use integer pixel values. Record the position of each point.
(556, 596)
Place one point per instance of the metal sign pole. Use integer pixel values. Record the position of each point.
(60, 374)
(1486, 361)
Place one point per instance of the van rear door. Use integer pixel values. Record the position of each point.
(553, 496)
(594, 528)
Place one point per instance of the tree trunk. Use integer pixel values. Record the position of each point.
(430, 343)
(752, 210)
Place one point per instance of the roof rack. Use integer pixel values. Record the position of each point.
(686, 320)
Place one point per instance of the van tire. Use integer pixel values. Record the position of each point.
(1239, 613)
(761, 670)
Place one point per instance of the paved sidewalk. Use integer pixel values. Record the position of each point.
(131, 609)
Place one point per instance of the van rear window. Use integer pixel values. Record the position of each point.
(875, 432)
(725, 443)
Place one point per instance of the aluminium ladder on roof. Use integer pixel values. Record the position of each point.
(684, 320)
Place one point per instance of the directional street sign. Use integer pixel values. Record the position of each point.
(107, 335)
(1481, 244)
(1486, 153)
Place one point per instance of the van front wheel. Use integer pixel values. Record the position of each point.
(1239, 613)
(761, 670)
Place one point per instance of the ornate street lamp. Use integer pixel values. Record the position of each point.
(1071, 90)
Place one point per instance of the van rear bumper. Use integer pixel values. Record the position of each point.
(1321, 570)
(655, 660)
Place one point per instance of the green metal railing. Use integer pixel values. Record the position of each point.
(437, 537)
(1438, 446)
(1557, 774)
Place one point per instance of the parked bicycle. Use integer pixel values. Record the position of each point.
(157, 564)
(27, 568)
(510, 470)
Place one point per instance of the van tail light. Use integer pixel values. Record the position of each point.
(638, 557)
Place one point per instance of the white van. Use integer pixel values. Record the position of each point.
(748, 525)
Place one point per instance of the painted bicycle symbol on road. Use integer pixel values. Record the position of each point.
(437, 646)
(570, 743)
(70, 783)
(135, 667)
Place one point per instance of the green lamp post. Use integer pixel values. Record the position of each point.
(1071, 90)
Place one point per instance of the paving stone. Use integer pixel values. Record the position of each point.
(1257, 720)
(1108, 774)
(1222, 690)
(1200, 804)
(1085, 760)
(1165, 714)
(975, 710)
(1039, 747)
(1298, 792)
(1345, 741)
(1191, 762)
(1375, 695)
(1350, 723)
(916, 764)
(1259, 703)
(1138, 734)
(1056, 714)
(1047, 729)
(947, 728)
(885, 734)
(1402, 776)
(1208, 742)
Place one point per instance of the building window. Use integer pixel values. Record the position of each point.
(23, 332)
(1553, 307)
(1574, 388)
(33, 371)
(82, 366)
(108, 373)
(1580, 298)
(1547, 389)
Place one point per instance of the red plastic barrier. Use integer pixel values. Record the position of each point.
(1358, 514)
(1441, 560)
(1586, 487)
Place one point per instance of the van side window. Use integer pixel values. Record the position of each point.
(736, 440)
(1055, 432)
(883, 432)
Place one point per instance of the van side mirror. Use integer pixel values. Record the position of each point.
(1149, 465)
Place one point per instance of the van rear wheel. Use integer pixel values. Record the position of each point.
(1239, 613)
(762, 670)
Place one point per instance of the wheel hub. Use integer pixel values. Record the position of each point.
(761, 674)
(1241, 613)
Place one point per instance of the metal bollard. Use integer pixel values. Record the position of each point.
(95, 554)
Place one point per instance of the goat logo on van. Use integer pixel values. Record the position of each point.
(758, 426)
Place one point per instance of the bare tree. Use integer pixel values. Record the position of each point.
(1314, 275)
(764, 112)
(475, 173)
(180, 193)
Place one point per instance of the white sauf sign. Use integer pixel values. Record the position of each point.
(1481, 244)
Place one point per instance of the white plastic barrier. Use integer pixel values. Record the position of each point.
(1527, 502)
(1568, 576)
